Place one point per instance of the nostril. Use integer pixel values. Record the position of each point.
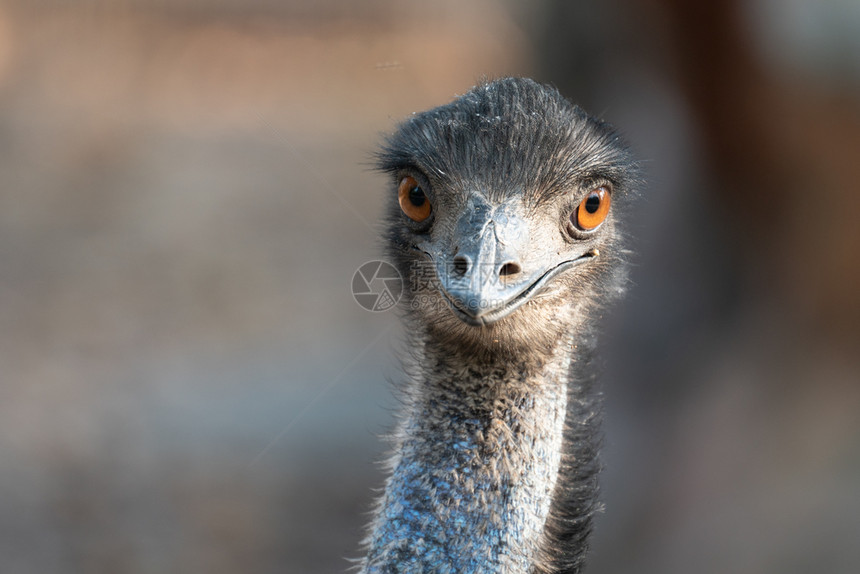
(509, 269)
(461, 265)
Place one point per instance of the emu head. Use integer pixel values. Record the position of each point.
(502, 215)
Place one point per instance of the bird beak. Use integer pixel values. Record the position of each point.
(490, 273)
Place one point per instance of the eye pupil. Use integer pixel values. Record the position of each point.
(592, 203)
(417, 197)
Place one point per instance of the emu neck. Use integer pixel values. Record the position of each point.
(476, 466)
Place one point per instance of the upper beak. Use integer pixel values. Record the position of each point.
(486, 277)
(480, 276)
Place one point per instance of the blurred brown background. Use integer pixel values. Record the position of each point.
(187, 384)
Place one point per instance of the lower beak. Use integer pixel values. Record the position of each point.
(489, 299)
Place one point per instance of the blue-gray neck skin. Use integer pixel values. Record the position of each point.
(481, 480)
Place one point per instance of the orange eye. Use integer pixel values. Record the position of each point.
(413, 200)
(593, 210)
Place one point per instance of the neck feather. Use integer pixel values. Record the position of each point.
(494, 468)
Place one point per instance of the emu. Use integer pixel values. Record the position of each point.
(508, 198)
